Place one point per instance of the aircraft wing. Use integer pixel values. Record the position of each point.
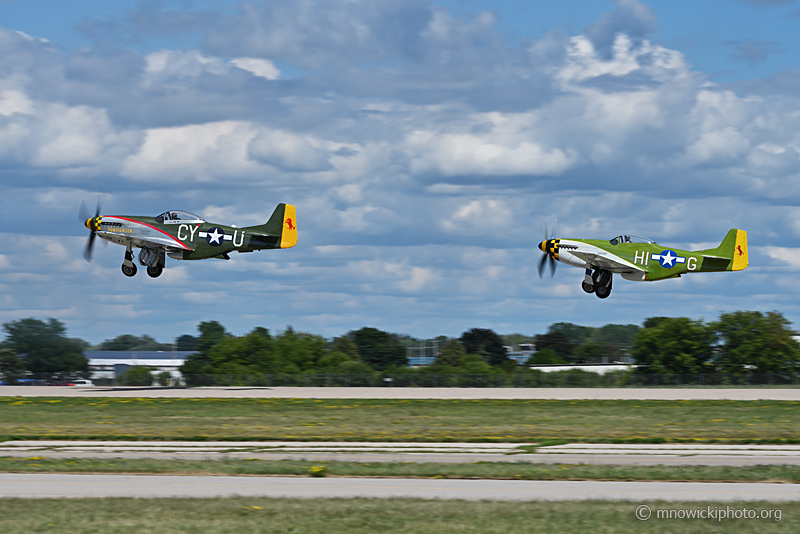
(596, 257)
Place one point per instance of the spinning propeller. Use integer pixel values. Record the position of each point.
(548, 247)
(92, 223)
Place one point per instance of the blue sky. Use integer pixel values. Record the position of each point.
(424, 144)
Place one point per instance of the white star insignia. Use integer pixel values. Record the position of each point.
(668, 258)
(215, 236)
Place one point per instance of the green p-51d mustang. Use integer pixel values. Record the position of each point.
(185, 236)
(639, 259)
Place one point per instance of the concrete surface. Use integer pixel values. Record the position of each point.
(63, 485)
(790, 394)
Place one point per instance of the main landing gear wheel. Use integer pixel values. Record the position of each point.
(602, 283)
(129, 270)
(155, 271)
(589, 288)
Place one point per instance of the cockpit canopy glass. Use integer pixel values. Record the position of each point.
(182, 216)
(627, 238)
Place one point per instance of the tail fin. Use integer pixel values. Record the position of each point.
(732, 250)
(282, 223)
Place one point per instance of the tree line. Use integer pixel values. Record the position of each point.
(736, 343)
(359, 351)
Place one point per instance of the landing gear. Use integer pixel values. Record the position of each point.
(588, 282)
(128, 267)
(603, 292)
(154, 260)
(155, 270)
(602, 280)
(129, 270)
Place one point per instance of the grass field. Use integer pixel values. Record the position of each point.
(523, 421)
(353, 516)
(480, 470)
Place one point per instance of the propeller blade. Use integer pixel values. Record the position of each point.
(542, 264)
(101, 198)
(83, 212)
(87, 253)
(553, 265)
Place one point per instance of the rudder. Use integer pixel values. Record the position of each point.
(740, 259)
(730, 255)
(289, 229)
(281, 224)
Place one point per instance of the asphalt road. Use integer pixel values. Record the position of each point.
(792, 394)
(61, 485)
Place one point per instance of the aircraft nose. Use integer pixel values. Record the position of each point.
(93, 223)
(542, 245)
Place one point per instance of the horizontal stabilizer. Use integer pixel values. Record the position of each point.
(730, 255)
(280, 230)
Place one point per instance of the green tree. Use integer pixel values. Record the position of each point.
(673, 346)
(475, 364)
(451, 354)
(211, 333)
(751, 341)
(574, 333)
(339, 362)
(594, 352)
(558, 342)
(127, 342)
(44, 346)
(299, 351)
(12, 367)
(345, 345)
(186, 343)
(137, 375)
(246, 355)
(200, 363)
(545, 357)
(378, 349)
(487, 344)
(621, 335)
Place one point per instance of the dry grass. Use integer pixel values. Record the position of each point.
(355, 516)
(480, 470)
(401, 420)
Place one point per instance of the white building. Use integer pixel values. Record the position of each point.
(109, 364)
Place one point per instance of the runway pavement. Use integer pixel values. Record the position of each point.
(789, 394)
(574, 453)
(61, 485)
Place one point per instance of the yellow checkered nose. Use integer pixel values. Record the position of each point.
(93, 223)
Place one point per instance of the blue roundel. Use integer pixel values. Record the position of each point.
(215, 236)
(668, 259)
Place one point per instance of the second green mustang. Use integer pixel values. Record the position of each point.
(639, 259)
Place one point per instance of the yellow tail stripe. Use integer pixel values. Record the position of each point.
(740, 261)
(289, 233)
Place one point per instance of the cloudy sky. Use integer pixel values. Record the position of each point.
(425, 144)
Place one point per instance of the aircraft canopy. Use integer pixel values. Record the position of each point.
(183, 216)
(627, 238)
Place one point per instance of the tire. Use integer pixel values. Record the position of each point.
(155, 271)
(587, 287)
(603, 292)
(129, 270)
